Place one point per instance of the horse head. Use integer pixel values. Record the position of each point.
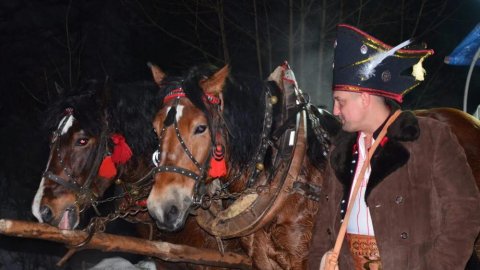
(185, 126)
(90, 149)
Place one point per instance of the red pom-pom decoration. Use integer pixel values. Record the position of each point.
(141, 203)
(218, 167)
(107, 168)
(121, 151)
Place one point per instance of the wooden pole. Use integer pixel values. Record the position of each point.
(109, 242)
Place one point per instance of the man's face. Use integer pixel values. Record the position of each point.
(348, 107)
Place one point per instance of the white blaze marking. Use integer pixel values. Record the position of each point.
(179, 111)
(68, 123)
(36, 201)
(39, 195)
(68, 120)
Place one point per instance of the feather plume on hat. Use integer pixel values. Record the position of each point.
(368, 69)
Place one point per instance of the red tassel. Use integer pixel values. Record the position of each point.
(218, 167)
(107, 168)
(121, 151)
(141, 203)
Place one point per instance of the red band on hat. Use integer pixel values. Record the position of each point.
(350, 88)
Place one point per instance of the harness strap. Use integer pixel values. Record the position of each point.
(98, 159)
(175, 169)
(309, 190)
(57, 179)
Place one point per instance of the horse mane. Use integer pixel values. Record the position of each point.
(127, 108)
(85, 107)
(244, 107)
(131, 109)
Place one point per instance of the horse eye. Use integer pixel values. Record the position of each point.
(81, 142)
(200, 129)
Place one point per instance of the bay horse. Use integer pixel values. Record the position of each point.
(216, 150)
(207, 117)
(95, 124)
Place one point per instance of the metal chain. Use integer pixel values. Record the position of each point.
(99, 224)
(205, 201)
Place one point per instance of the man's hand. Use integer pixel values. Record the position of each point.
(329, 261)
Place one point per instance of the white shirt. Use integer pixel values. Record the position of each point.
(360, 220)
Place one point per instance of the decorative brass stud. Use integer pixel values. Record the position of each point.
(386, 76)
(260, 166)
(273, 99)
(118, 181)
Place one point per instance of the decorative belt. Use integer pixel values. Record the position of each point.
(365, 252)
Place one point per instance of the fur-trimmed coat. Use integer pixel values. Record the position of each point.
(423, 200)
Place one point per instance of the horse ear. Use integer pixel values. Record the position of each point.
(277, 76)
(157, 73)
(214, 84)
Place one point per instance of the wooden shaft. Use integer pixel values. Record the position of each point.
(109, 242)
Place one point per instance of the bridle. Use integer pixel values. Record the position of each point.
(83, 193)
(169, 120)
(200, 178)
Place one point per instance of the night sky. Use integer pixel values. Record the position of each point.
(46, 43)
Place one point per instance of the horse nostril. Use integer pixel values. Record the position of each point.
(172, 214)
(46, 213)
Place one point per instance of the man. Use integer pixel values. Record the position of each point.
(418, 206)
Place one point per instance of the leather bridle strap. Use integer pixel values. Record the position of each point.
(74, 186)
(98, 159)
(171, 116)
(175, 169)
(59, 180)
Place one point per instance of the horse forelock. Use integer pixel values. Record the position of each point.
(129, 111)
(85, 112)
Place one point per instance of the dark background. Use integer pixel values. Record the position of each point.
(48, 42)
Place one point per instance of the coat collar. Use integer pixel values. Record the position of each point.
(387, 157)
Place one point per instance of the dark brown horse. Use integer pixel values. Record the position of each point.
(96, 141)
(267, 155)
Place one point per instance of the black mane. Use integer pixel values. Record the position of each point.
(85, 105)
(244, 109)
(126, 108)
(244, 106)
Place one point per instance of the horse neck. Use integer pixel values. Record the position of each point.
(136, 168)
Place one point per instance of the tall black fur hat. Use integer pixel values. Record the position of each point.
(363, 63)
